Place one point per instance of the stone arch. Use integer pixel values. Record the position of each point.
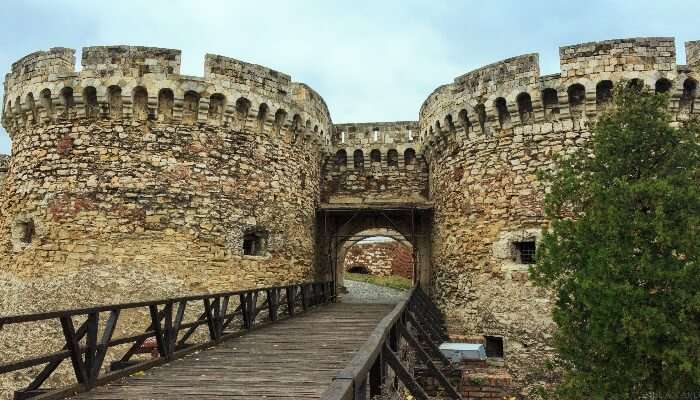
(280, 118)
(31, 105)
(242, 109)
(392, 158)
(577, 99)
(463, 117)
(524, 102)
(190, 107)
(391, 254)
(687, 100)
(341, 158)
(92, 109)
(358, 159)
(46, 103)
(603, 93)
(409, 156)
(68, 101)
(263, 110)
(636, 84)
(217, 107)
(166, 99)
(296, 127)
(502, 109)
(449, 123)
(114, 101)
(480, 110)
(663, 85)
(375, 156)
(140, 104)
(550, 103)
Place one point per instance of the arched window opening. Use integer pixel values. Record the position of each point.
(375, 156)
(296, 126)
(114, 101)
(550, 102)
(165, 104)
(242, 110)
(409, 157)
(46, 104)
(33, 112)
(280, 118)
(140, 104)
(92, 110)
(263, 110)
(502, 110)
(687, 101)
(68, 101)
(663, 85)
(464, 120)
(577, 99)
(524, 107)
(255, 243)
(217, 105)
(23, 232)
(438, 127)
(480, 110)
(636, 85)
(450, 123)
(341, 158)
(603, 93)
(358, 159)
(392, 158)
(190, 107)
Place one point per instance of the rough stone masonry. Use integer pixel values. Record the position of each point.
(129, 180)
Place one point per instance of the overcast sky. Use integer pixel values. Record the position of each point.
(371, 60)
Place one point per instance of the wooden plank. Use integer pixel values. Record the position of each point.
(293, 359)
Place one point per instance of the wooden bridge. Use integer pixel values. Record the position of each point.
(292, 342)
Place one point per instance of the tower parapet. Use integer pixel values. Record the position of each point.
(492, 100)
(144, 83)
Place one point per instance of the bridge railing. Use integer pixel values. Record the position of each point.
(86, 342)
(416, 325)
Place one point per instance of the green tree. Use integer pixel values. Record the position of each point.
(621, 255)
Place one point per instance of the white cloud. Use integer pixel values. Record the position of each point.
(371, 60)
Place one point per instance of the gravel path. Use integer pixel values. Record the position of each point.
(361, 292)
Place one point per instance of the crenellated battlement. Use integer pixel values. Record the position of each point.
(511, 94)
(145, 84)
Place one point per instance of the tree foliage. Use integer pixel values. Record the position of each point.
(621, 255)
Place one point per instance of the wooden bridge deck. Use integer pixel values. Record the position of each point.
(293, 359)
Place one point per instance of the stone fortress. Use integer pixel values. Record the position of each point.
(129, 180)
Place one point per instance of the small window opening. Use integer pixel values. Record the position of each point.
(358, 159)
(254, 243)
(663, 85)
(376, 135)
(392, 158)
(410, 136)
(341, 158)
(375, 155)
(494, 346)
(525, 251)
(342, 137)
(550, 100)
(603, 93)
(26, 230)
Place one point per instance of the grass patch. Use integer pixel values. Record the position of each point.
(394, 282)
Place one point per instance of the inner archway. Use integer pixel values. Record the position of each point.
(376, 252)
(341, 227)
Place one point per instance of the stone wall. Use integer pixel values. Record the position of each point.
(4, 166)
(485, 137)
(383, 259)
(375, 163)
(130, 181)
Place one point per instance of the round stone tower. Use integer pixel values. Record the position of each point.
(129, 180)
(485, 136)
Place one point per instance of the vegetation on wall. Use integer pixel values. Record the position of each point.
(622, 255)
